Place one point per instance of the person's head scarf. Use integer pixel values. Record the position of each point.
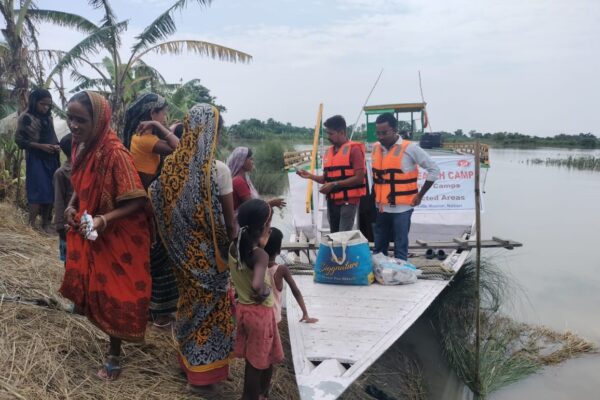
(236, 161)
(185, 200)
(140, 110)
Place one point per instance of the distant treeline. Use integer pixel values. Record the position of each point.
(256, 129)
(515, 139)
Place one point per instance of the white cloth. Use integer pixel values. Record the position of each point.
(224, 181)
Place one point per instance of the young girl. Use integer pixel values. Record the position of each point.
(257, 334)
(278, 274)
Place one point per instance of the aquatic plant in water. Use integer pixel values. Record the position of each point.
(509, 350)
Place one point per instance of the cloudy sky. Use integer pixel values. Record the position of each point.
(492, 65)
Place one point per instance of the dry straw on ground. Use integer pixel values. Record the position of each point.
(48, 353)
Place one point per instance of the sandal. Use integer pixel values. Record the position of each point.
(430, 254)
(441, 255)
(111, 369)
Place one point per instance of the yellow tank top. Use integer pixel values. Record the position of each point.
(141, 150)
(242, 281)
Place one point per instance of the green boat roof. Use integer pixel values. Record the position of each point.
(395, 108)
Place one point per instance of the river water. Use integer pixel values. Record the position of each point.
(555, 213)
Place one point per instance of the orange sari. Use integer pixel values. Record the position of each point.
(109, 279)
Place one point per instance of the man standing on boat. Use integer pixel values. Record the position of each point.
(395, 173)
(343, 176)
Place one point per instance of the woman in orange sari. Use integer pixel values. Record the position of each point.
(108, 279)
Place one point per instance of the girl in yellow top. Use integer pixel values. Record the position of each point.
(257, 338)
(146, 135)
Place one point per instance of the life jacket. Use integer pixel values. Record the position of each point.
(337, 167)
(392, 185)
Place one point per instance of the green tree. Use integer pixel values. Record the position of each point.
(106, 36)
(182, 97)
(20, 47)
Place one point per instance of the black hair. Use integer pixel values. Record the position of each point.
(178, 131)
(273, 246)
(84, 99)
(65, 144)
(137, 112)
(337, 123)
(35, 96)
(252, 217)
(389, 118)
(249, 153)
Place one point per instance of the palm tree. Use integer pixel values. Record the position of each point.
(20, 48)
(107, 36)
(182, 97)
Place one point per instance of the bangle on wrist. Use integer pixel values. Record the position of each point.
(104, 223)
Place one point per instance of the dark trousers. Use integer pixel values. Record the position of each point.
(392, 227)
(341, 217)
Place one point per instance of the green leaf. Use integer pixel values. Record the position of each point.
(199, 47)
(90, 44)
(163, 26)
(63, 19)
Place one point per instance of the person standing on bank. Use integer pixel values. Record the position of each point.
(343, 177)
(35, 134)
(395, 174)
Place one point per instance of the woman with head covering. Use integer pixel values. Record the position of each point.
(148, 139)
(240, 163)
(35, 133)
(193, 205)
(107, 279)
(146, 135)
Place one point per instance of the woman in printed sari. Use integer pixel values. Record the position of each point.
(107, 279)
(195, 221)
(35, 133)
(148, 139)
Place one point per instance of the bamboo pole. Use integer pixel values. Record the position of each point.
(477, 272)
(313, 156)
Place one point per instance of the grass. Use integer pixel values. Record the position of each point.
(581, 162)
(510, 351)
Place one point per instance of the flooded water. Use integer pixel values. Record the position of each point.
(555, 213)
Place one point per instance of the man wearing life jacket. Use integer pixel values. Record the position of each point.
(395, 172)
(343, 176)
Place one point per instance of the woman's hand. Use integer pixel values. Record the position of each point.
(279, 203)
(47, 148)
(70, 213)
(145, 125)
(97, 225)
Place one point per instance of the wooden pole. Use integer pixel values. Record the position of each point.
(477, 270)
(313, 156)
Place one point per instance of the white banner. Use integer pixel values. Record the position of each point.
(454, 189)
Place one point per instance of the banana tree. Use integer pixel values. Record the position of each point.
(182, 97)
(20, 41)
(107, 38)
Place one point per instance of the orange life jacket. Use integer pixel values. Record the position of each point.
(392, 185)
(337, 167)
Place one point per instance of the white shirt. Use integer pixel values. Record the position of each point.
(224, 180)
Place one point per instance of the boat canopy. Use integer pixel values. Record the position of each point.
(371, 112)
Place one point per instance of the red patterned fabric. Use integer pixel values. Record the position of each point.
(109, 279)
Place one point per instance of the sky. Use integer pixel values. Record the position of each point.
(528, 66)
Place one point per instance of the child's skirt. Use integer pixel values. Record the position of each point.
(257, 338)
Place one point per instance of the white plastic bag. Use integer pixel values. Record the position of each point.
(392, 271)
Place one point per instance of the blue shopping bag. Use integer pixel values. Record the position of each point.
(344, 258)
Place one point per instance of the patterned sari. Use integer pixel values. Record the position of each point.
(109, 279)
(189, 218)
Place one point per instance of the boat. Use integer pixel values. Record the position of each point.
(357, 324)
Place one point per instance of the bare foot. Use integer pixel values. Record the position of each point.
(111, 369)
